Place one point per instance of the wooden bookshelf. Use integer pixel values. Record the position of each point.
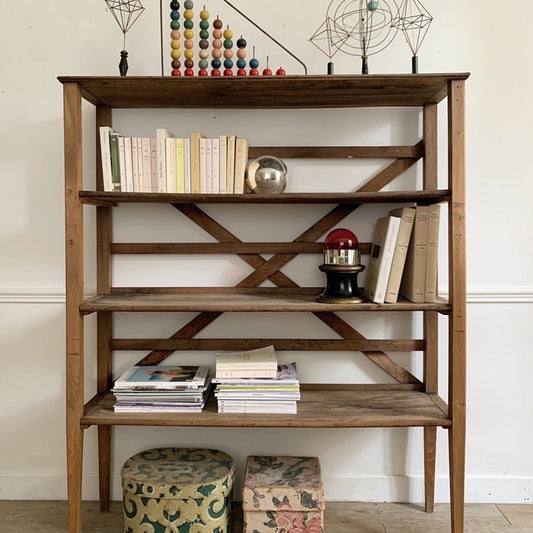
(407, 402)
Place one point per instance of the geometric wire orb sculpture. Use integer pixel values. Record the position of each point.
(368, 24)
(413, 19)
(126, 13)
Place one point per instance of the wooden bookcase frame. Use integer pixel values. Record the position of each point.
(410, 402)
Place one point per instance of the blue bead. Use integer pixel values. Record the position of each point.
(373, 5)
(241, 63)
(216, 63)
(175, 15)
(228, 63)
(254, 63)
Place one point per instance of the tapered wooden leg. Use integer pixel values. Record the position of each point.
(457, 473)
(430, 448)
(74, 473)
(104, 466)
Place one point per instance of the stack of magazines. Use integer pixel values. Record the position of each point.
(162, 388)
(244, 388)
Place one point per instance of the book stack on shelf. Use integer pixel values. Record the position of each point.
(169, 164)
(404, 256)
(254, 382)
(162, 388)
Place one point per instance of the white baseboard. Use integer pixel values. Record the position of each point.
(475, 294)
(479, 489)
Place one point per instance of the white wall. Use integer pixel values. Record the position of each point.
(42, 41)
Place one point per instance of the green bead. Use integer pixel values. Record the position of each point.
(174, 24)
(189, 24)
(204, 34)
(204, 24)
(228, 43)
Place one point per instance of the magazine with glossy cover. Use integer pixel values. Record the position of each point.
(156, 377)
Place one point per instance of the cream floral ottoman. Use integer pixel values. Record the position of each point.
(178, 490)
(283, 495)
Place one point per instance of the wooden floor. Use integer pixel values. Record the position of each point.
(50, 517)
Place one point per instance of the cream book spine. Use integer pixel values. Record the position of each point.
(105, 155)
(230, 164)
(222, 155)
(161, 134)
(215, 165)
(134, 162)
(170, 164)
(146, 165)
(187, 164)
(241, 158)
(413, 281)
(180, 165)
(195, 161)
(430, 293)
(153, 164)
(407, 218)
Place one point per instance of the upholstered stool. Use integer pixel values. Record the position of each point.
(283, 494)
(177, 490)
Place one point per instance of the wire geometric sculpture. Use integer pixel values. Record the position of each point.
(335, 36)
(366, 23)
(126, 13)
(413, 19)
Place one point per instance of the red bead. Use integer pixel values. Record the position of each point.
(176, 72)
(215, 72)
(280, 72)
(189, 72)
(254, 72)
(202, 72)
(241, 72)
(267, 72)
(228, 72)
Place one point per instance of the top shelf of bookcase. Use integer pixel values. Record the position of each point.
(337, 91)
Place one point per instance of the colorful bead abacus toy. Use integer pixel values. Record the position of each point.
(222, 45)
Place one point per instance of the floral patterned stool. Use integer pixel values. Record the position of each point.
(178, 490)
(283, 495)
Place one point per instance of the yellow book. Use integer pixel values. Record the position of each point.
(241, 158)
(180, 165)
(195, 161)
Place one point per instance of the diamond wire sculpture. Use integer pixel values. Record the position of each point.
(126, 13)
(334, 37)
(413, 19)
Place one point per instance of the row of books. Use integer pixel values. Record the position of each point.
(404, 256)
(166, 163)
(254, 382)
(162, 389)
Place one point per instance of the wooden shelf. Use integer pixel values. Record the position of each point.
(265, 92)
(232, 299)
(321, 406)
(114, 198)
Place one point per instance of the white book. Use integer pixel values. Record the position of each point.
(153, 164)
(203, 164)
(209, 165)
(215, 165)
(241, 158)
(379, 266)
(105, 153)
(135, 164)
(122, 163)
(222, 158)
(147, 164)
(161, 134)
(187, 153)
(170, 164)
(140, 164)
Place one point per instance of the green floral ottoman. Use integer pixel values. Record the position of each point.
(178, 490)
(283, 495)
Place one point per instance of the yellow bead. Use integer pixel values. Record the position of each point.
(188, 14)
(228, 34)
(188, 34)
(189, 54)
(175, 45)
(175, 54)
(204, 14)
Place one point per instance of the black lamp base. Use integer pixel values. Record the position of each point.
(341, 285)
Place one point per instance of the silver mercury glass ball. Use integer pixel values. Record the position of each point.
(266, 175)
